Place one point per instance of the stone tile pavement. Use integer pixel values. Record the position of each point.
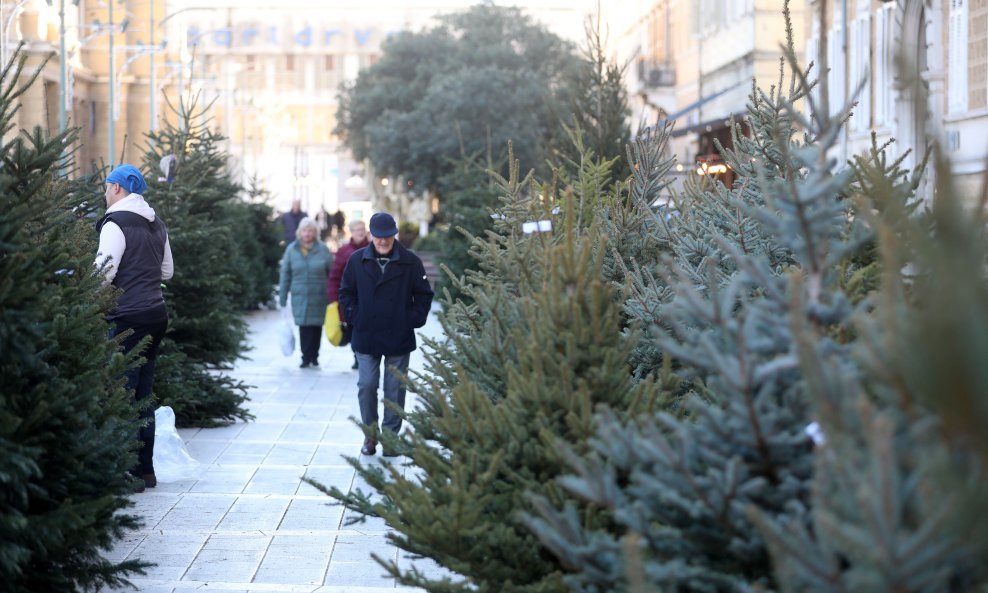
(247, 523)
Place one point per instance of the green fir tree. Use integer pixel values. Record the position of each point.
(258, 253)
(538, 348)
(67, 427)
(599, 108)
(208, 223)
(810, 458)
(898, 492)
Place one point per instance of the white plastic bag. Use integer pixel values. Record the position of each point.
(172, 461)
(286, 335)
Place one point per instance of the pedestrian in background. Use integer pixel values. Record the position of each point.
(304, 271)
(135, 252)
(291, 219)
(358, 240)
(385, 295)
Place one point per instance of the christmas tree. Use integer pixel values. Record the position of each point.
(599, 108)
(469, 197)
(817, 425)
(202, 206)
(811, 457)
(260, 252)
(66, 424)
(533, 350)
(899, 469)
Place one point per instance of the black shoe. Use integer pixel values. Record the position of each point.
(369, 448)
(304, 365)
(355, 365)
(313, 365)
(137, 485)
(388, 452)
(150, 480)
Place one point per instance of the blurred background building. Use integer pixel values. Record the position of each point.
(692, 61)
(273, 71)
(923, 65)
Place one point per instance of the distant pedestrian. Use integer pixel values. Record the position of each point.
(324, 222)
(338, 220)
(385, 295)
(304, 271)
(358, 240)
(291, 219)
(136, 253)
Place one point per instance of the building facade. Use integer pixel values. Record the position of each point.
(274, 72)
(271, 73)
(113, 56)
(691, 62)
(921, 67)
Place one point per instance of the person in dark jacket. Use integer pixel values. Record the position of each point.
(358, 240)
(304, 269)
(385, 295)
(291, 219)
(136, 256)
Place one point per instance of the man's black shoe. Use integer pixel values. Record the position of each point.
(355, 366)
(389, 452)
(150, 480)
(369, 448)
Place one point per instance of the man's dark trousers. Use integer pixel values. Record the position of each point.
(141, 380)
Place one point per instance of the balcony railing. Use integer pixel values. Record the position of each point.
(654, 75)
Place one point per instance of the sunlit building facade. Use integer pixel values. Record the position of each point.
(691, 62)
(271, 73)
(924, 69)
(922, 66)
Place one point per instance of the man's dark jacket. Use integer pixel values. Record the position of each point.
(384, 309)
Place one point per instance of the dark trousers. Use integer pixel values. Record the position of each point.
(368, 380)
(309, 338)
(141, 380)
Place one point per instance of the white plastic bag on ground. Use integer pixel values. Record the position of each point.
(286, 335)
(172, 461)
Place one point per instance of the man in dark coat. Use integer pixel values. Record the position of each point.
(384, 296)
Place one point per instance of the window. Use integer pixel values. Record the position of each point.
(957, 66)
(860, 49)
(836, 64)
(329, 63)
(884, 64)
(812, 53)
(977, 53)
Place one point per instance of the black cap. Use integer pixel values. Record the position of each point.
(383, 225)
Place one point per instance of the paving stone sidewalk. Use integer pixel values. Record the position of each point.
(247, 523)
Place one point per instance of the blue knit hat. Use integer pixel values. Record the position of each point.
(129, 178)
(383, 224)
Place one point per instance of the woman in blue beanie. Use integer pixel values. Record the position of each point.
(135, 254)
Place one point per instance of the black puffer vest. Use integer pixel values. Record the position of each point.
(139, 270)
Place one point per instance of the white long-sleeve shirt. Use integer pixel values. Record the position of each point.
(112, 242)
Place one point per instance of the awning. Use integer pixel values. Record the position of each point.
(694, 105)
(701, 127)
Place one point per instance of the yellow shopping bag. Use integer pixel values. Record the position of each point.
(334, 329)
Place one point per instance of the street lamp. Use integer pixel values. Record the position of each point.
(111, 121)
(142, 50)
(16, 10)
